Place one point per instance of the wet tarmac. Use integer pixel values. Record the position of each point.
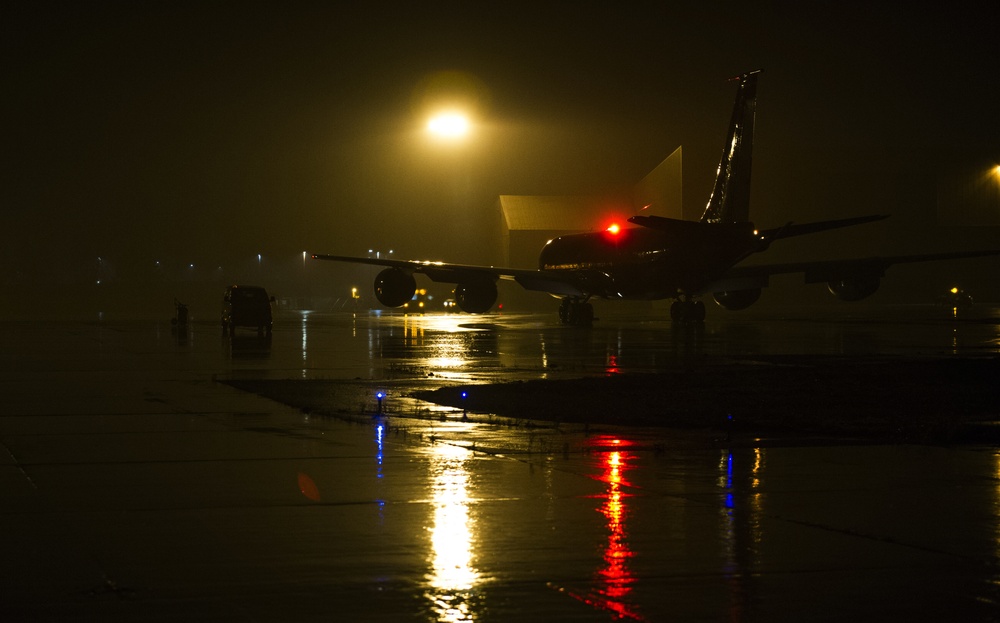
(140, 484)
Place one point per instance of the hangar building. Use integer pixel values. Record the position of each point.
(529, 221)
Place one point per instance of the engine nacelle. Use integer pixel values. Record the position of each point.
(854, 288)
(476, 297)
(393, 287)
(736, 300)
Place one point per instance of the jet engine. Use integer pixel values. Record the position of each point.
(393, 287)
(854, 288)
(476, 297)
(735, 300)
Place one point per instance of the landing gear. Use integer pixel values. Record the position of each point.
(576, 312)
(687, 311)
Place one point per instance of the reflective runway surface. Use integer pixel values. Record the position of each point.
(466, 347)
(137, 487)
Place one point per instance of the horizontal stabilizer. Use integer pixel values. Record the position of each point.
(799, 229)
(689, 229)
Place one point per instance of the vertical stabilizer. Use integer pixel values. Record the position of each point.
(730, 200)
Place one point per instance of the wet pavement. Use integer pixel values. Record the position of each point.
(137, 486)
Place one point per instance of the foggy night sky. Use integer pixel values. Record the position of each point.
(209, 133)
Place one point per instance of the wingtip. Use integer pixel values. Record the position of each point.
(746, 75)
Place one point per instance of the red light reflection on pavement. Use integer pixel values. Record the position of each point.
(614, 582)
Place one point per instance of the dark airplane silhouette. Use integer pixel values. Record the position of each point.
(663, 258)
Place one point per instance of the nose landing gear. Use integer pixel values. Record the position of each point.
(687, 311)
(576, 312)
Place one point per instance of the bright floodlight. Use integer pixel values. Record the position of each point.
(449, 125)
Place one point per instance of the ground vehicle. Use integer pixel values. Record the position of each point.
(246, 306)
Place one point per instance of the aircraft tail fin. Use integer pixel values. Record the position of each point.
(730, 200)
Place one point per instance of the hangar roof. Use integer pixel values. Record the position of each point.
(559, 213)
(659, 193)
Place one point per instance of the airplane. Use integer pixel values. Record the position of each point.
(662, 258)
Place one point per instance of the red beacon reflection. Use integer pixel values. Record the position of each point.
(614, 229)
(613, 584)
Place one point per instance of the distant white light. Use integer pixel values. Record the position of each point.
(449, 125)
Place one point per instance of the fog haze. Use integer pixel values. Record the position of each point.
(171, 144)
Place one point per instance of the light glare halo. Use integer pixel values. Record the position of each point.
(449, 125)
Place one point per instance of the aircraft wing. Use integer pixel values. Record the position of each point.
(756, 276)
(561, 283)
(688, 229)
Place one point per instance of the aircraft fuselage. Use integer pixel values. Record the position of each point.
(642, 263)
(663, 258)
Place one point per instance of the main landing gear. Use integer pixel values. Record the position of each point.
(687, 311)
(576, 312)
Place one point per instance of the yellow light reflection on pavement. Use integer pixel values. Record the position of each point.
(453, 576)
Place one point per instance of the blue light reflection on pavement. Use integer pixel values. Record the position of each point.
(112, 424)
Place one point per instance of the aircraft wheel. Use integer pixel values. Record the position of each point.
(573, 313)
(576, 313)
(697, 312)
(677, 311)
(687, 311)
(564, 311)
